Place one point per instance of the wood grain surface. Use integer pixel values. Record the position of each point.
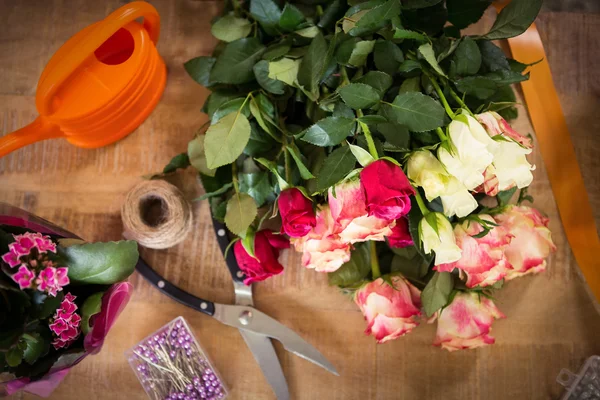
(551, 324)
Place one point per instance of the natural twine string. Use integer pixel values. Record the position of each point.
(156, 215)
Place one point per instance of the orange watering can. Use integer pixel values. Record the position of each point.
(100, 85)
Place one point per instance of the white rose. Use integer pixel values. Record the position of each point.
(458, 200)
(441, 242)
(511, 165)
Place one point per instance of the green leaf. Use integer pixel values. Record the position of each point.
(411, 85)
(419, 3)
(218, 208)
(492, 56)
(197, 156)
(437, 292)
(350, 21)
(101, 263)
(226, 140)
(304, 172)
(329, 131)
(267, 13)
(248, 241)
(409, 263)
(257, 185)
(462, 13)
(376, 18)
(43, 305)
(90, 307)
(378, 80)
(261, 72)
(359, 95)
(284, 70)
(505, 196)
(230, 28)
(430, 20)
(241, 211)
(354, 270)
(231, 106)
(342, 110)
(309, 32)
(276, 51)
(396, 135)
(416, 111)
(37, 347)
(426, 50)
(179, 161)
(234, 64)
(336, 166)
(504, 77)
(372, 119)
(406, 34)
(410, 67)
(354, 52)
(467, 57)
(215, 100)
(313, 65)
(388, 56)
(478, 86)
(332, 13)
(271, 166)
(290, 18)
(14, 356)
(514, 19)
(223, 189)
(257, 112)
(363, 157)
(199, 69)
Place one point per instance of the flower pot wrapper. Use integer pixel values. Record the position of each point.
(59, 297)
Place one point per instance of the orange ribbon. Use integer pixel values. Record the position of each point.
(558, 153)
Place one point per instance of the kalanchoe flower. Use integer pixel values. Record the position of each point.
(391, 310)
(51, 280)
(44, 243)
(24, 277)
(11, 258)
(66, 323)
(466, 323)
(482, 260)
(23, 244)
(297, 214)
(441, 242)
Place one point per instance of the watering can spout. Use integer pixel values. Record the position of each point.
(40, 129)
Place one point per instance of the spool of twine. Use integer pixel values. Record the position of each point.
(156, 215)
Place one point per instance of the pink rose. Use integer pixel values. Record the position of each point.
(322, 248)
(482, 260)
(532, 242)
(387, 190)
(495, 125)
(400, 236)
(349, 211)
(390, 311)
(266, 250)
(297, 214)
(466, 323)
(114, 301)
(490, 183)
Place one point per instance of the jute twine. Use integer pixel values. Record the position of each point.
(156, 215)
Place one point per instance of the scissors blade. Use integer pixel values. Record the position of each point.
(248, 318)
(265, 356)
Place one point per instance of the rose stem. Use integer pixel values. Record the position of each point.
(421, 203)
(374, 260)
(234, 177)
(288, 173)
(458, 99)
(368, 136)
(441, 95)
(441, 134)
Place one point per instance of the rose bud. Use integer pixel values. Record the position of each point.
(349, 211)
(471, 151)
(266, 250)
(532, 242)
(426, 171)
(466, 323)
(495, 125)
(387, 190)
(297, 214)
(322, 249)
(441, 242)
(483, 260)
(390, 311)
(400, 236)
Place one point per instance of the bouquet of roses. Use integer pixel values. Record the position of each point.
(59, 296)
(378, 134)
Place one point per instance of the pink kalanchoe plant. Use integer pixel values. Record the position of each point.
(24, 277)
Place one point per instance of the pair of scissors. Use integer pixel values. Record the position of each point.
(256, 327)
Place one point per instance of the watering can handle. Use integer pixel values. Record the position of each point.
(67, 60)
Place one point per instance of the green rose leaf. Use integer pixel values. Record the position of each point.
(430, 20)
(297, 156)
(216, 99)
(257, 185)
(411, 85)
(101, 263)
(91, 306)
(363, 157)
(406, 34)
(396, 135)
(37, 346)
(339, 164)
(416, 111)
(267, 13)
(514, 19)
(309, 32)
(290, 18)
(354, 52)
(359, 95)
(505, 196)
(179, 161)
(261, 72)
(376, 18)
(232, 106)
(284, 70)
(372, 119)
(409, 263)
(478, 86)
(388, 56)
(437, 292)
(313, 65)
(332, 13)
(225, 140)
(197, 156)
(378, 80)
(419, 3)
(234, 64)
(426, 50)
(462, 13)
(492, 56)
(276, 51)
(354, 270)
(329, 131)
(241, 211)
(230, 28)
(218, 192)
(199, 69)
(467, 58)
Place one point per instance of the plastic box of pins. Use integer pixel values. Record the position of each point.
(171, 365)
(582, 386)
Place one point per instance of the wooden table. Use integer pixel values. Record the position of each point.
(551, 320)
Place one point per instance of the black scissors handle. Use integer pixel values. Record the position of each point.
(221, 233)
